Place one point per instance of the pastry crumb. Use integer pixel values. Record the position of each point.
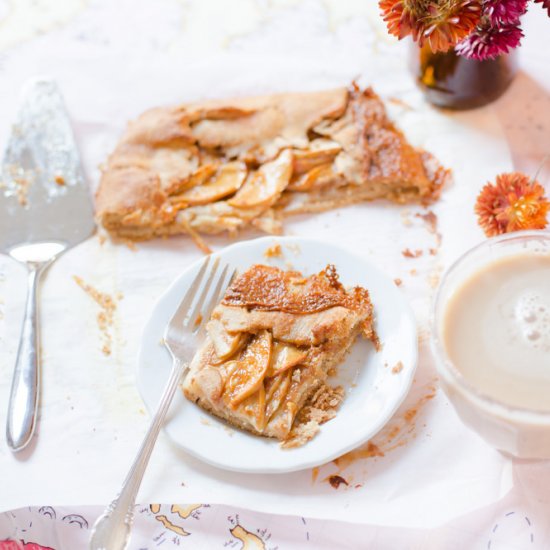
(400, 103)
(408, 253)
(336, 480)
(320, 408)
(398, 282)
(397, 368)
(274, 251)
(59, 179)
(105, 316)
(430, 219)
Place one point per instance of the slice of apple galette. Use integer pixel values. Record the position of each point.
(272, 343)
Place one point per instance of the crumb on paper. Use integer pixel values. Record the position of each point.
(105, 317)
(320, 408)
(413, 272)
(336, 480)
(430, 219)
(400, 103)
(401, 429)
(314, 474)
(59, 179)
(205, 421)
(397, 368)
(274, 251)
(408, 253)
(398, 282)
(101, 237)
(130, 244)
(433, 251)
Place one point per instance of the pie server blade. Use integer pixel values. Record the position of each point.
(45, 208)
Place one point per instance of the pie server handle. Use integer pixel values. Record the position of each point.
(25, 387)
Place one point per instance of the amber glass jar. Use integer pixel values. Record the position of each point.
(454, 82)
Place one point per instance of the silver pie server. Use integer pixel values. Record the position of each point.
(45, 208)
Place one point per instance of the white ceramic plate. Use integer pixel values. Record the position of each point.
(373, 392)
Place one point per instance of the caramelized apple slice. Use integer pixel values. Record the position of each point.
(198, 177)
(254, 406)
(263, 187)
(249, 374)
(225, 344)
(316, 177)
(322, 151)
(276, 392)
(284, 357)
(226, 181)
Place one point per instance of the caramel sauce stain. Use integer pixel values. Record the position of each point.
(336, 480)
(394, 437)
(314, 474)
(370, 451)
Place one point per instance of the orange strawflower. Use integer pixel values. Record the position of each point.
(512, 203)
(440, 23)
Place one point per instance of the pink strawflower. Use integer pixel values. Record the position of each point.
(487, 42)
(504, 12)
(545, 4)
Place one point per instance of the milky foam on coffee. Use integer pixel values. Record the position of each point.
(496, 330)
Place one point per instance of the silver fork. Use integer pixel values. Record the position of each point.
(182, 336)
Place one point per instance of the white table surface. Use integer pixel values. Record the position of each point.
(112, 60)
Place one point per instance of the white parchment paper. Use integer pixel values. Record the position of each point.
(92, 418)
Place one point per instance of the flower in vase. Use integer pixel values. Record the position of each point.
(545, 4)
(440, 24)
(478, 29)
(512, 203)
(504, 12)
(488, 42)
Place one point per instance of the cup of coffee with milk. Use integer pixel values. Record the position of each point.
(491, 341)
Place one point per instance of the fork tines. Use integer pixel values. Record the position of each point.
(198, 303)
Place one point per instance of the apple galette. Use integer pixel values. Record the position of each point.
(216, 166)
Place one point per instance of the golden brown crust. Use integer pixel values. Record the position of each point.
(300, 152)
(267, 288)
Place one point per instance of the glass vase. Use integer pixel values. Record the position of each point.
(454, 82)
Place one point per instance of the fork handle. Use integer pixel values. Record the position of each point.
(112, 529)
(25, 388)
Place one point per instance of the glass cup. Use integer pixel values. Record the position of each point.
(519, 432)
